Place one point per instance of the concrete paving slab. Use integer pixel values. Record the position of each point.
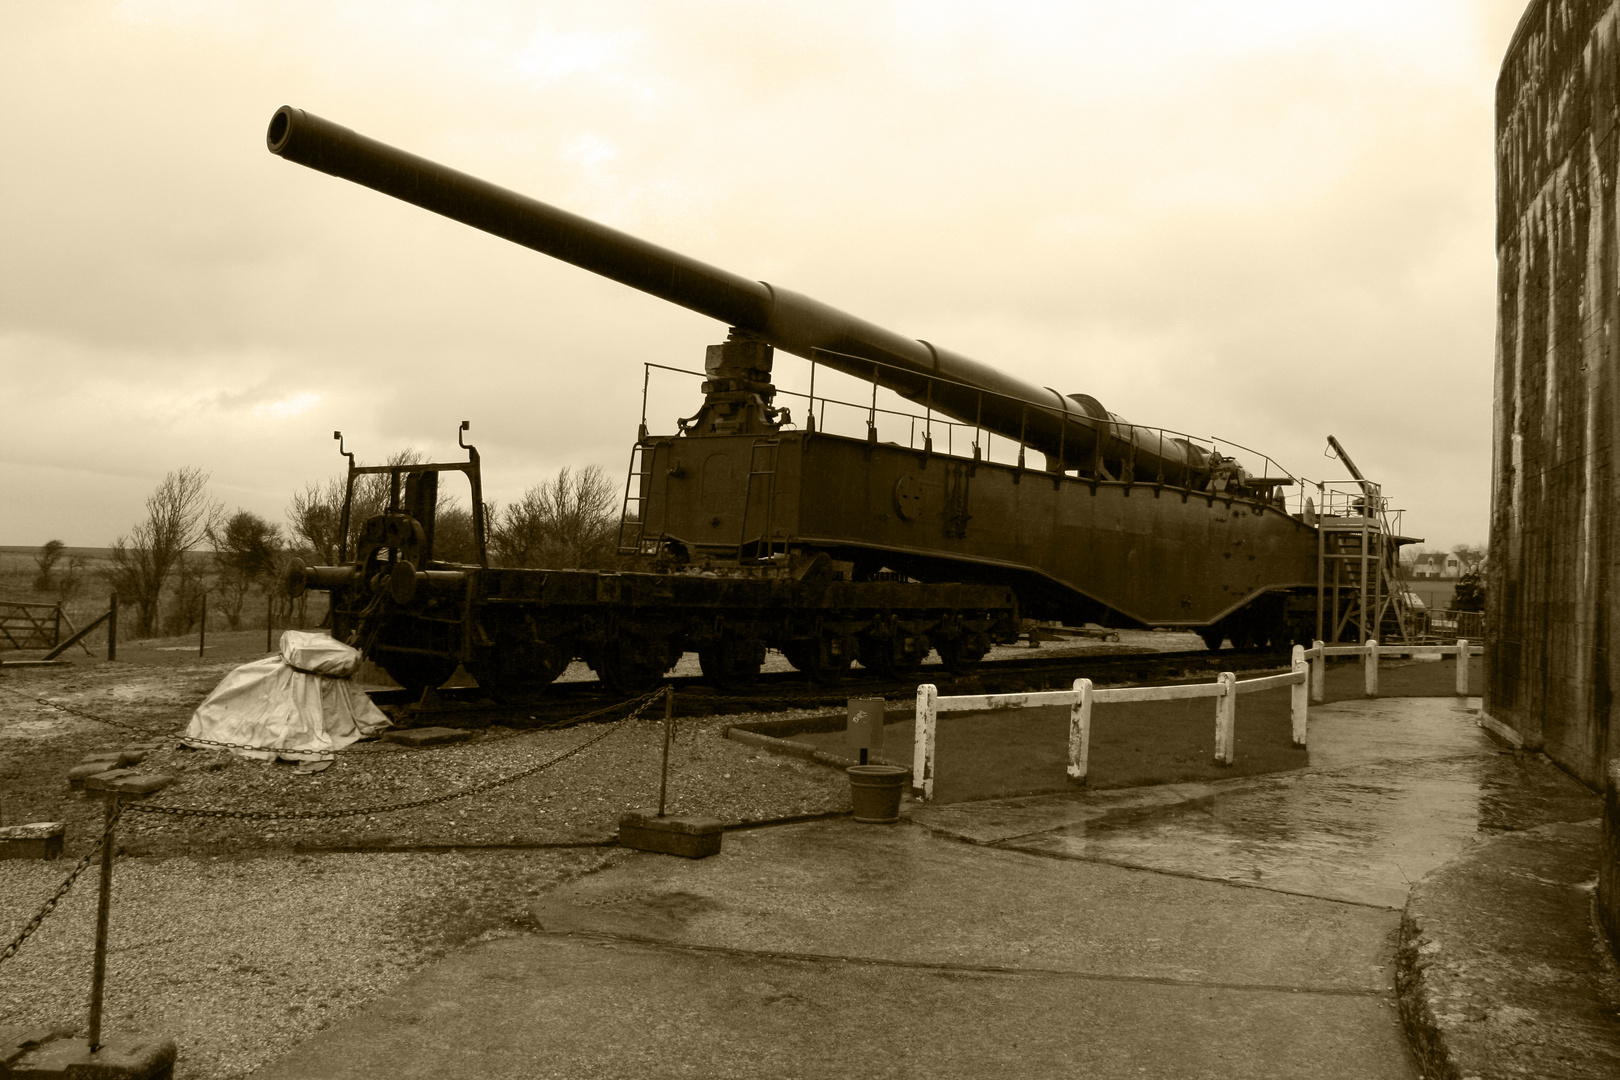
(559, 1007)
(1345, 734)
(904, 895)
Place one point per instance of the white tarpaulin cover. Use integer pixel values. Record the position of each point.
(301, 702)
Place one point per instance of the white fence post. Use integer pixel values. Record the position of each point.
(1462, 667)
(1369, 667)
(1298, 693)
(1080, 731)
(922, 761)
(1318, 673)
(1226, 719)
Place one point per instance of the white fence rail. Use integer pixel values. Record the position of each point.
(1318, 653)
(1224, 690)
(1307, 680)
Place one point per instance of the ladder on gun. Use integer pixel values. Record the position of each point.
(762, 474)
(633, 514)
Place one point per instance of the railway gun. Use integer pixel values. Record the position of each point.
(751, 532)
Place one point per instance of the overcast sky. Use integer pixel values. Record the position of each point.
(1263, 221)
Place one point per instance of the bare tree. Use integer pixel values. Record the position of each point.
(315, 514)
(454, 539)
(314, 519)
(566, 523)
(178, 514)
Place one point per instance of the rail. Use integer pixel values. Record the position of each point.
(1209, 463)
(1306, 677)
(1370, 653)
(1442, 625)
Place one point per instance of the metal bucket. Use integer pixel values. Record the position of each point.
(875, 792)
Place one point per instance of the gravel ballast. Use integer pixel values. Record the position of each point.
(238, 938)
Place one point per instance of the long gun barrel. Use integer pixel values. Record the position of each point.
(1065, 429)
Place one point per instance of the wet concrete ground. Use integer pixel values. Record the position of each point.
(1395, 788)
(1232, 928)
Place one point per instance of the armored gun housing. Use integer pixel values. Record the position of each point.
(803, 533)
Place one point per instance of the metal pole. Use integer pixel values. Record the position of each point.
(112, 627)
(269, 618)
(98, 978)
(669, 734)
(202, 630)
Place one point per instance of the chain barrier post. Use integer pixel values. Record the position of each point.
(98, 977)
(669, 736)
(687, 835)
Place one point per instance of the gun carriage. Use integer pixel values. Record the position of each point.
(762, 534)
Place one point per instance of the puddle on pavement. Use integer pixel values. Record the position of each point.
(1393, 793)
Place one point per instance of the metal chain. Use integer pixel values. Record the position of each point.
(743, 697)
(397, 749)
(457, 793)
(61, 890)
(80, 712)
(580, 719)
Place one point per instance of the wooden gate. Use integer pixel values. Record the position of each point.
(30, 626)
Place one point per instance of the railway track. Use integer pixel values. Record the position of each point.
(560, 703)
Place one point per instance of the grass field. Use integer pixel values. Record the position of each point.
(79, 585)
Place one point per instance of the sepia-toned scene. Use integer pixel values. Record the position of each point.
(769, 539)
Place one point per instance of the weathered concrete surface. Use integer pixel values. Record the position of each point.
(840, 949)
(1241, 928)
(1501, 974)
(1396, 788)
(1551, 595)
(572, 1008)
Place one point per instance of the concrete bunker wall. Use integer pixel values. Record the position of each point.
(1552, 601)
(1553, 513)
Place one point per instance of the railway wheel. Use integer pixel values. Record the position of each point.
(517, 673)
(959, 653)
(632, 665)
(417, 672)
(891, 657)
(826, 660)
(732, 662)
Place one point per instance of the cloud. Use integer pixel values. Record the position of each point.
(1267, 220)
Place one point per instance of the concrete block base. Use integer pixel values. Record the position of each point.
(427, 736)
(80, 773)
(40, 840)
(49, 1056)
(128, 783)
(689, 837)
